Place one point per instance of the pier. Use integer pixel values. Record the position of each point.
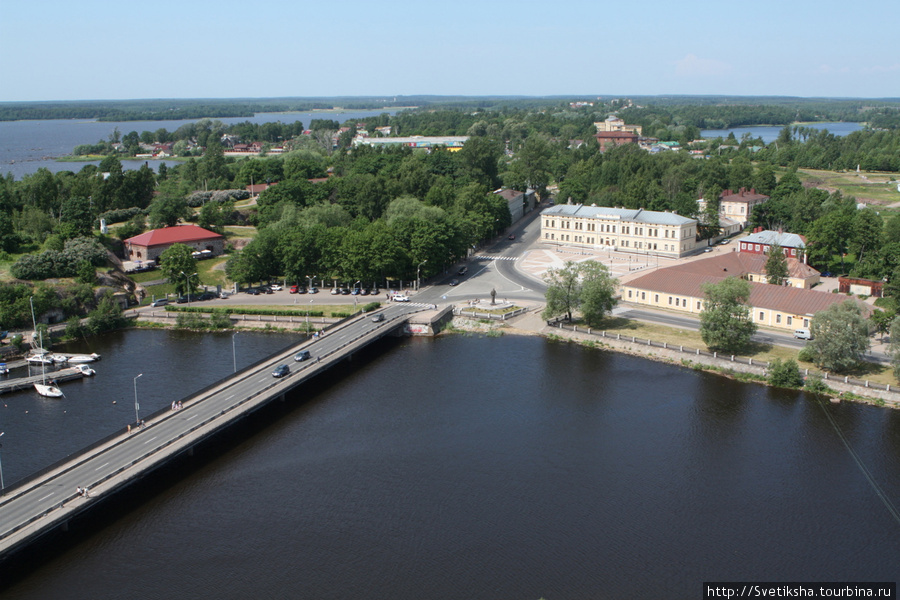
(47, 501)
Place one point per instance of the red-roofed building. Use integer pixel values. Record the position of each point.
(149, 245)
(680, 288)
(610, 139)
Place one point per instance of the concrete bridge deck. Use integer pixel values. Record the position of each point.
(46, 502)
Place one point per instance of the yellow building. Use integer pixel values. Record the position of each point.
(614, 123)
(633, 230)
(680, 288)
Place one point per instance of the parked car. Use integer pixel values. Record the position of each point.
(266, 289)
(462, 271)
(355, 291)
(364, 292)
(281, 371)
(454, 281)
(803, 334)
(345, 291)
(378, 318)
(374, 292)
(294, 289)
(313, 290)
(188, 298)
(401, 298)
(511, 236)
(207, 296)
(160, 302)
(253, 291)
(302, 355)
(335, 291)
(223, 294)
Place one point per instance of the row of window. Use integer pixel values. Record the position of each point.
(607, 228)
(683, 302)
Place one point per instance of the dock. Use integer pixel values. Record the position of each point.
(21, 383)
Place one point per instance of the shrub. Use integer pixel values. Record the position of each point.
(785, 374)
(816, 385)
(219, 321)
(807, 354)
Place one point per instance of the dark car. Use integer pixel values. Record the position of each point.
(511, 236)
(374, 292)
(281, 371)
(266, 289)
(355, 291)
(378, 318)
(207, 296)
(345, 292)
(454, 281)
(188, 298)
(253, 291)
(302, 355)
(462, 271)
(313, 290)
(364, 292)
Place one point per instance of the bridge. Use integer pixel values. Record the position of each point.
(48, 500)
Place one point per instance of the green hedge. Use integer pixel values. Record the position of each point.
(248, 311)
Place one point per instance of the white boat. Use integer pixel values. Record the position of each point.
(4, 370)
(58, 358)
(83, 358)
(85, 370)
(50, 391)
(39, 359)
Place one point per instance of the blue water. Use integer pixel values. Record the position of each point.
(769, 133)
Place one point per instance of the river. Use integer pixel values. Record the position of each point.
(26, 146)
(474, 467)
(769, 133)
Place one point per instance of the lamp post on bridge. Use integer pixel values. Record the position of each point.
(1, 466)
(418, 271)
(233, 351)
(137, 419)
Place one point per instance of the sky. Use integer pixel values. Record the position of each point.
(100, 49)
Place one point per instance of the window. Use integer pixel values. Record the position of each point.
(629, 293)
(778, 318)
(656, 298)
(670, 300)
(805, 323)
(789, 319)
(643, 296)
(762, 315)
(698, 305)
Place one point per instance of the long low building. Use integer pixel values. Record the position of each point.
(681, 288)
(604, 228)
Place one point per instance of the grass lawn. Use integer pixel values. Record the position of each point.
(246, 232)
(329, 310)
(877, 187)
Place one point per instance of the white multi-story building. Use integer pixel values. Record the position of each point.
(636, 230)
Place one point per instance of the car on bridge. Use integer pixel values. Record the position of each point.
(378, 318)
(302, 355)
(281, 371)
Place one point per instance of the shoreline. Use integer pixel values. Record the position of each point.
(532, 325)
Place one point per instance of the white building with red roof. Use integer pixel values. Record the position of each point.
(149, 245)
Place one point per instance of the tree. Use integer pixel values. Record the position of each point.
(894, 348)
(776, 266)
(725, 323)
(881, 321)
(562, 291)
(785, 374)
(598, 292)
(180, 267)
(840, 337)
(587, 287)
(167, 211)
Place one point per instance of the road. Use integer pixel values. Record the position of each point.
(174, 431)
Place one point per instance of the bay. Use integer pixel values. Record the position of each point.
(511, 467)
(770, 133)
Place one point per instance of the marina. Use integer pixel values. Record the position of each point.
(21, 383)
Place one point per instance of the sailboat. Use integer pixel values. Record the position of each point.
(48, 391)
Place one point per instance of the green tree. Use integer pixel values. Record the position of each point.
(87, 273)
(894, 348)
(180, 267)
(598, 292)
(840, 337)
(725, 323)
(563, 291)
(785, 374)
(776, 266)
(167, 211)
(106, 317)
(881, 321)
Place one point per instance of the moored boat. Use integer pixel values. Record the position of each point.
(4, 370)
(85, 370)
(48, 391)
(83, 358)
(39, 359)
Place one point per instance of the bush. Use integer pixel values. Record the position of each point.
(73, 328)
(371, 306)
(785, 374)
(219, 321)
(807, 354)
(816, 385)
(121, 215)
(55, 263)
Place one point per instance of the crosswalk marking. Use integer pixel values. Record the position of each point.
(482, 257)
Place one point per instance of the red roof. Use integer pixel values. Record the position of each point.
(172, 235)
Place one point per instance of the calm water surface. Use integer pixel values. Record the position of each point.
(467, 467)
(770, 134)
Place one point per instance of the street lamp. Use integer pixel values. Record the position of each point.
(233, 352)
(136, 405)
(307, 317)
(1, 466)
(187, 283)
(418, 270)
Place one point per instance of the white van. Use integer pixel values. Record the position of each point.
(802, 334)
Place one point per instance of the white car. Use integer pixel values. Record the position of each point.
(401, 298)
(276, 288)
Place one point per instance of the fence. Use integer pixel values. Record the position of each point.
(479, 315)
(557, 322)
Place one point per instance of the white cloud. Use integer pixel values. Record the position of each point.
(694, 66)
